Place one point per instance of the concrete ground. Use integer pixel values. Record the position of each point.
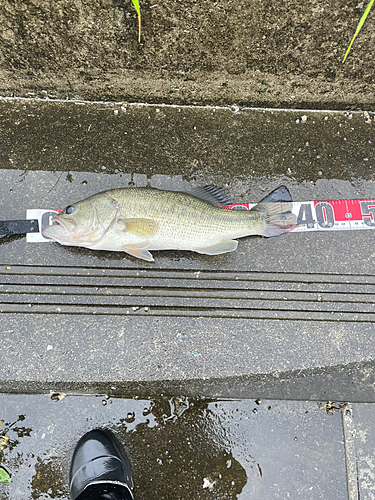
(182, 448)
(181, 337)
(244, 324)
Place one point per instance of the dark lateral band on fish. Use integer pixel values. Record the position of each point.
(137, 220)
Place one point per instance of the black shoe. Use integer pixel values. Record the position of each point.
(99, 463)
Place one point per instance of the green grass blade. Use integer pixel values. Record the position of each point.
(360, 24)
(4, 476)
(138, 10)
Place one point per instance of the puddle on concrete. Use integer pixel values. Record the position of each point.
(179, 448)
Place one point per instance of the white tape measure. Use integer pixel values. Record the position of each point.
(331, 215)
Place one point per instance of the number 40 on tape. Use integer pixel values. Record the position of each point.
(334, 215)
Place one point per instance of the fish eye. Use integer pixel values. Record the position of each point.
(69, 209)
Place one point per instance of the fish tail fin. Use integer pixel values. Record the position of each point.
(276, 211)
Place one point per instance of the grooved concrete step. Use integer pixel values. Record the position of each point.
(286, 317)
(39, 290)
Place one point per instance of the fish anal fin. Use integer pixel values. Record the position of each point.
(139, 250)
(139, 227)
(221, 247)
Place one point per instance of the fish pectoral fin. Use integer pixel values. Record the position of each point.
(139, 227)
(221, 247)
(139, 250)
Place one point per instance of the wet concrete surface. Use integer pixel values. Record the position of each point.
(78, 307)
(52, 154)
(180, 447)
(232, 147)
(365, 438)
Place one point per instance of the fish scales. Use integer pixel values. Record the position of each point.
(136, 220)
(183, 216)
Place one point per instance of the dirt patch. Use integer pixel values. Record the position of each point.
(251, 53)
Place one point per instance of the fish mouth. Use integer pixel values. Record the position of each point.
(56, 222)
(57, 230)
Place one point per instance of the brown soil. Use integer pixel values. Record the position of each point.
(275, 53)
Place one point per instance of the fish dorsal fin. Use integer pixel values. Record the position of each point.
(211, 194)
(139, 227)
(279, 194)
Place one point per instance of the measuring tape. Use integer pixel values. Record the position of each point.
(336, 215)
(331, 215)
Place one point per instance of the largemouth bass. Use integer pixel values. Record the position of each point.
(137, 220)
